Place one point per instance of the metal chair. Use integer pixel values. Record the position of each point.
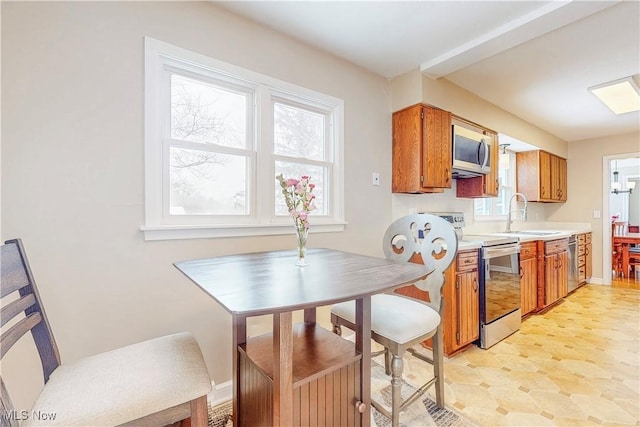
(399, 322)
(155, 382)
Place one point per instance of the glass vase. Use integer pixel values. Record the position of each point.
(301, 234)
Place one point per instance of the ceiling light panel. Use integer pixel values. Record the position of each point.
(621, 96)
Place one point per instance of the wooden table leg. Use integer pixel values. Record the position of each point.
(363, 346)
(282, 370)
(239, 336)
(625, 259)
(310, 316)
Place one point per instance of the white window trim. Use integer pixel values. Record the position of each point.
(499, 217)
(265, 222)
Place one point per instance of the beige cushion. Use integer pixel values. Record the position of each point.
(125, 384)
(394, 317)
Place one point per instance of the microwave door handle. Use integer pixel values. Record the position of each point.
(486, 153)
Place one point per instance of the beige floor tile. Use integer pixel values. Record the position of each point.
(578, 364)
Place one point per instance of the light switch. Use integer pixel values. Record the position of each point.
(596, 214)
(375, 178)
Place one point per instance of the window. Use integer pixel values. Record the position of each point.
(217, 135)
(497, 207)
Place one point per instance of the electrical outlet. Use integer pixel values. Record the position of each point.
(375, 178)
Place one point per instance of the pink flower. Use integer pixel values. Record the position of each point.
(299, 198)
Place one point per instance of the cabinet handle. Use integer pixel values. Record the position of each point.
(475, 284)
(447, 174)
(521, 273)
(360, 407)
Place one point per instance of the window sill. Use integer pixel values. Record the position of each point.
(489, 218)
(175, 232)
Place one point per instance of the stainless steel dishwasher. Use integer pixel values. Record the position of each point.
(573, 264)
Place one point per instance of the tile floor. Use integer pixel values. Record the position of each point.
(578, 364)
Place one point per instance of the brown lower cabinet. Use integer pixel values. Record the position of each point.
(461, 318)
(553, 272)
(584, 258)
(528, 277)
(326, 379)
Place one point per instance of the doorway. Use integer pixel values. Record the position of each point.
(625, 205)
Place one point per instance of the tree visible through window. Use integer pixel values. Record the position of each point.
(204, 178)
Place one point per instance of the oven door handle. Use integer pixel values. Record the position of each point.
(494, 252)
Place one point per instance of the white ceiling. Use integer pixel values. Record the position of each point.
(535, 59)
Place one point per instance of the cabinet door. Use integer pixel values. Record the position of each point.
(563, 274)
(407, 150)
(468, 307)
(491, 179)
(551, 291)
(562, 179)
(558, 179)
(436, 152)
(529, 285)
(545, 175)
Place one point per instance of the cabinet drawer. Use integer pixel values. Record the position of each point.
(528, 250)
(555, 246)
(467, 261)
(582, 239)
(582, 274)
(581, 249)
(582, 259)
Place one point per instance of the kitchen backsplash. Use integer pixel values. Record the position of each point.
(405, 204)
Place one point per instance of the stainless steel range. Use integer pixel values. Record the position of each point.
(499, 282)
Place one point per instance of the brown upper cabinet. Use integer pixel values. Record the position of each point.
(485, 185)
(421, 150)
(541, 176)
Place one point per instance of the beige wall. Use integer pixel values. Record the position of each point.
(585, 187)
(72, 171)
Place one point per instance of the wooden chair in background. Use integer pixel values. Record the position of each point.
(616, 252)
(152, 383)
(620, 227)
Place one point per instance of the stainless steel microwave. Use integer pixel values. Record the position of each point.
(471, 153)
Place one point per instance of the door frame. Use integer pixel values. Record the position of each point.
(606, 215)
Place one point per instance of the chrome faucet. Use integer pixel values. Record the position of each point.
(523, 211)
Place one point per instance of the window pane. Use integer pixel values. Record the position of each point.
(296, 170)
(481, 207)
(204, 183)
(497, 206)
(202, 112)
(298, 132)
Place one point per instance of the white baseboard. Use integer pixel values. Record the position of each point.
(220, 393)
(598, 281)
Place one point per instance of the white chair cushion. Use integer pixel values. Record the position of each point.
(125, 384)
(396, 318)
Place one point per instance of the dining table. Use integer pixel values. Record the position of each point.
(626, 240)
(299, 374)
